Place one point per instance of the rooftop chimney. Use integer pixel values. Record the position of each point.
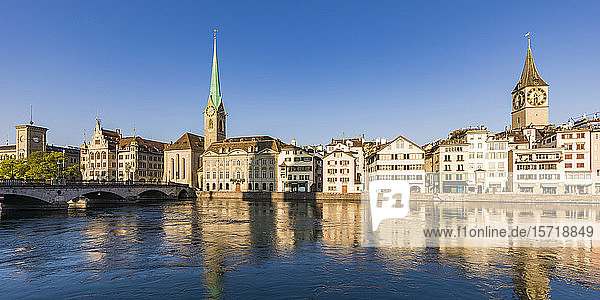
(293, 142)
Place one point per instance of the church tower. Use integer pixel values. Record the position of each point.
(214, 113)
(530, 96)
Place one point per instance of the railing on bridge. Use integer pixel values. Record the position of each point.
(89, 183)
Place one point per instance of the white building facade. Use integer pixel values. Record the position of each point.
(400, 159)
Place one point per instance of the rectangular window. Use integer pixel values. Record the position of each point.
(580, 165)
(580, 156)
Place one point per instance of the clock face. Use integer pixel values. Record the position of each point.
(210, 111)
(536, 96)
(22, 138)
(518, 100)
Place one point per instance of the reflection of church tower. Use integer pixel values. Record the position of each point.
(214, 113)
(530, 97)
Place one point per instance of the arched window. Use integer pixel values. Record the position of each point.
(98, 155)
(238, 175)
(103, 154)
(173, 169)
(256, 186)
(220, 186)
(250, 186)
(208, 186)
(214, 186)
(264, 186)
(210, 124)
(178, 163)
(227, 186)
(271, 186)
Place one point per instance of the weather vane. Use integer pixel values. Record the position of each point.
(528, 35)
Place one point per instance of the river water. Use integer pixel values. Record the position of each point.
(238, 249)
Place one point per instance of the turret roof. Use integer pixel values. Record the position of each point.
(530, 75)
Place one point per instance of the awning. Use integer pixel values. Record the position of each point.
(528, 185)
(553, 185)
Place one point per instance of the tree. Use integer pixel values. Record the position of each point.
(39, 165)
(10, 167)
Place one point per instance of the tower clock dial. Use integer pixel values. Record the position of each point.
(210, 111)
(536, 96)
(518, 100)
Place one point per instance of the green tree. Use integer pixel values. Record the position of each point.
(16, 167)
(39, 165)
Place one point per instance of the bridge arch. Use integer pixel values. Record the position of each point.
(153, 194)
(101, 195)
(18, 201)
(184, 193)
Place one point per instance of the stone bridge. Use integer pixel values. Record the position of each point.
(57, 196)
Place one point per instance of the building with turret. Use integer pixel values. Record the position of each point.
(30, 139)
(108, 156)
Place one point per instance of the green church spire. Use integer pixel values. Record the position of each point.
(215, 84)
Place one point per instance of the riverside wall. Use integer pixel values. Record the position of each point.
(356, 197)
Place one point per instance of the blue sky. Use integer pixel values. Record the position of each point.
(304, 69)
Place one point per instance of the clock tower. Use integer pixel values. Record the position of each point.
(530, 97)
(214, 113)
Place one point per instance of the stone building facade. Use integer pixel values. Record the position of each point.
(298, 169)
(399, 159)
(182, 160)
(99, 155)
(140, 160)
(339, 172)
(241, 164)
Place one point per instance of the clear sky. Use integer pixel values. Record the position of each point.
(304, 69)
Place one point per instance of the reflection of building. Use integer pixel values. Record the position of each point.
(341, 223)
(399, 159)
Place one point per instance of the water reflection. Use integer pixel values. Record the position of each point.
(237, 248)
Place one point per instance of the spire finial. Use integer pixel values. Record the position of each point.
(528, 35)
(215, 33)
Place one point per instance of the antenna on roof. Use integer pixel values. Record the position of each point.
(134, 129)
(30, 114)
